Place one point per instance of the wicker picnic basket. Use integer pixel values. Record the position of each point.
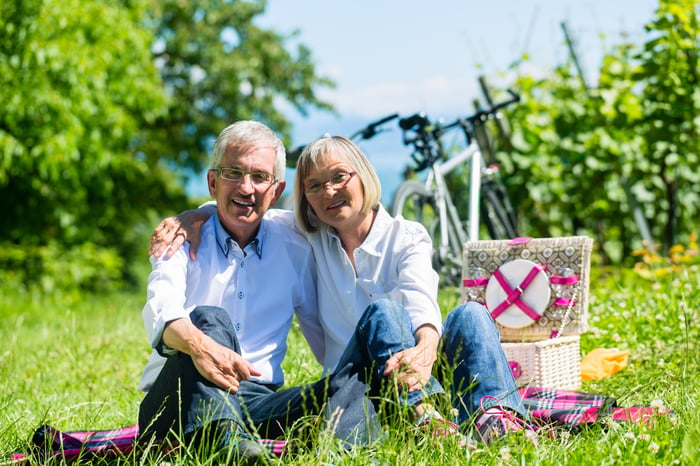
(535, 288)
(555, 362)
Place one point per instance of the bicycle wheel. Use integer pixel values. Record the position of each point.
(497, 219)
(415, 202)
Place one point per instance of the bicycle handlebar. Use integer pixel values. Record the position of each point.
(368, 132)
(425, 137)
(419, 119)
(371, 130)
(481, 115)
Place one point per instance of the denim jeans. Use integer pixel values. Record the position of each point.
(470, 346)
(383, 330)
(182, 401)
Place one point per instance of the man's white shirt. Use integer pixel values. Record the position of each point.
(259, 287)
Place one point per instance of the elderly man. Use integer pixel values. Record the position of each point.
(218, 325)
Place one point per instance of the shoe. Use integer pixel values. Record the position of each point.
(437, 426)
(496, 423)
(232, 442)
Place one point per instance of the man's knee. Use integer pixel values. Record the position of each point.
(208, 315)
(216, 323)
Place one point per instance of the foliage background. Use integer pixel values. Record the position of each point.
(107, 106)
(585, 155)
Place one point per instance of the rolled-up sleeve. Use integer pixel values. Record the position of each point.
(417, 280)
(165, 299)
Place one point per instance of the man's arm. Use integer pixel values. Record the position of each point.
(172, 232)
(216, 363)
(166, 320)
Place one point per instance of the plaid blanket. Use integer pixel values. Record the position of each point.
(49, 444)
(549, 409)
(567, 410)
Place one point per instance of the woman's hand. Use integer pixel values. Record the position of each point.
(172, 232)
(413, 367)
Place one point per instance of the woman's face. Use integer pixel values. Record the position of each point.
(335, 192)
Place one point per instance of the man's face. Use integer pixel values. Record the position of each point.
(241, 204)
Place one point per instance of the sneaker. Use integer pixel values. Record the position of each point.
(231, 441)
(496, 422)
(437, 426)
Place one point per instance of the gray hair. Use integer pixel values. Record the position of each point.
(246, 133)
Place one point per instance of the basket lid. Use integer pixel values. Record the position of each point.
(535, 295)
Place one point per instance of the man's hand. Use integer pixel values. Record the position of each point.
(174, 231)
(216, 363)
(222, 366)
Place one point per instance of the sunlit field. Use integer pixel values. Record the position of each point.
(74, 363)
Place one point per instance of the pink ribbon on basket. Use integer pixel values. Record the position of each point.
(513, 295)
(471, 282)
(518, 240)
(515, 369)
(564, 302)
(559, 280)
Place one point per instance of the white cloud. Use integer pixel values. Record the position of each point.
(439, 95)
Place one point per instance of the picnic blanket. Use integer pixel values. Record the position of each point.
(549, 408)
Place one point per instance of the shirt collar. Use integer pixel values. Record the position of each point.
(226, 243)
(371, 244)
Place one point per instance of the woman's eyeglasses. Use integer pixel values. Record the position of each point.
(337, 182)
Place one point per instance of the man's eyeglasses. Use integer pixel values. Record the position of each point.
(337, 181)
(236, 175)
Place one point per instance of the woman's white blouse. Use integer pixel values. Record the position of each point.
(393, 262)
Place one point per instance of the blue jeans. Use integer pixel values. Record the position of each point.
(470, 346)
(383, 330)
(182, 401)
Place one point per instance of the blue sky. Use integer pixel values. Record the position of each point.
(407, 56)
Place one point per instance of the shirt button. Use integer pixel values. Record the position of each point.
(240, 295)
(242, 264)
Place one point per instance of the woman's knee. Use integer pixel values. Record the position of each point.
(470, 315)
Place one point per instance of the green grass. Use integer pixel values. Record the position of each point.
(75, 363)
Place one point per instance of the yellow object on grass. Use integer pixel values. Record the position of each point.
(603, 362)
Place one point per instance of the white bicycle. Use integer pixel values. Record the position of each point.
(431, 203)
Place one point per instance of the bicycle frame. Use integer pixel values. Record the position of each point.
(446, 208)
(430, 201)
